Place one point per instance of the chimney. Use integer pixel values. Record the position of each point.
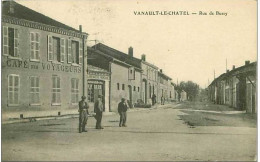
(130, 51)
(80, 28)
(143, 57)
(11, 7)
(247, 62)
(234, 67)
(161, 70)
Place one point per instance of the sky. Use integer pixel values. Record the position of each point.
(186, 47)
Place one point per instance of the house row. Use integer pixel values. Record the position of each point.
(47, 66)
(128, 77)
(236, 88)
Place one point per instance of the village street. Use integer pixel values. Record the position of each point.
(186, 131)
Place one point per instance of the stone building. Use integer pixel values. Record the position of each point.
(125, 73)
(236, 88)
(164, 91)
(42, 62)
(149, 80)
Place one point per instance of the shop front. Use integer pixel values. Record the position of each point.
(98, 84)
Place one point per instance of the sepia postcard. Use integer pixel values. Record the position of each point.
(129, 80)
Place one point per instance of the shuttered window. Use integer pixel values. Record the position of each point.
(56, 90)
(74, 90)
(35, 46)
(34, 90)
(5, 41)
(13, 89)
(62, 49)
(69, 52)
(10, 41)
(50, 48)
(75, 52)
(80, 53)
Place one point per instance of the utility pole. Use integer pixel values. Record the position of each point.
(226, 64)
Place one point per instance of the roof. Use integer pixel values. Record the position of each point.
(22, 12)
(118, 55)
(110, 58)
(238, 70)
(164, 75)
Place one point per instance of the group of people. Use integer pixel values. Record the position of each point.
(98, 109)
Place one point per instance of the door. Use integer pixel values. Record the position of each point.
(130, 96)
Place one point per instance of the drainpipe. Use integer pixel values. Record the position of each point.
(83, 61)
(109, 87)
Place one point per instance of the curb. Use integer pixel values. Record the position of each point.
(68, 116)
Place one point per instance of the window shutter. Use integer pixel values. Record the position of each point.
(80, 52)
(50, 48)
(69, 51)
(16, 43)
(62, 49)
(32, 45)
(37, 46)
(5, 41)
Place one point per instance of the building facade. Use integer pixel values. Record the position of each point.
(125, 76)
(149, 80)
(165, 92)
(42, 62)
(236, 88)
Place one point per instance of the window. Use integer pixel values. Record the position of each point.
(118, 86)
(13, 89)
(123, 86)
(138, 89)
(56, 49)
(34, 90)
(56, 90)
(131, 73)
(134, 88)
(90, 93)
(35, 46)
(75, 52)
(93, 91)
(10, 41)
(74, 90)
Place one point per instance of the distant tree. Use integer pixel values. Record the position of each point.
(191, 88)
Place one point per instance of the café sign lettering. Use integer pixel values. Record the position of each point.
(41, 66)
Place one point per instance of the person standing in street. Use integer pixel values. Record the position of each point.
(154, 99)
(122, 108)
(83, 114)
(98, 109)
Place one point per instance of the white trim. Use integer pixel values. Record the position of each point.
(55, 104)
(12, 105)
(14, 58)
(35, 104)
(34, 60)
(56, 62)
(74, 64)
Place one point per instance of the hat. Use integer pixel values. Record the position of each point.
(123, 99)
(83, 97)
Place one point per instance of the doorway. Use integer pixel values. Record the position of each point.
(130, 96)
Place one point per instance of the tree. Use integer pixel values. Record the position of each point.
(191, 88)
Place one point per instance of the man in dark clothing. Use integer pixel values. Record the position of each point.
(98, 109)
(83, 114)
(122, 108)
(154, 99)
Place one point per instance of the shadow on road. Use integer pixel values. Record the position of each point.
(158, 132)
